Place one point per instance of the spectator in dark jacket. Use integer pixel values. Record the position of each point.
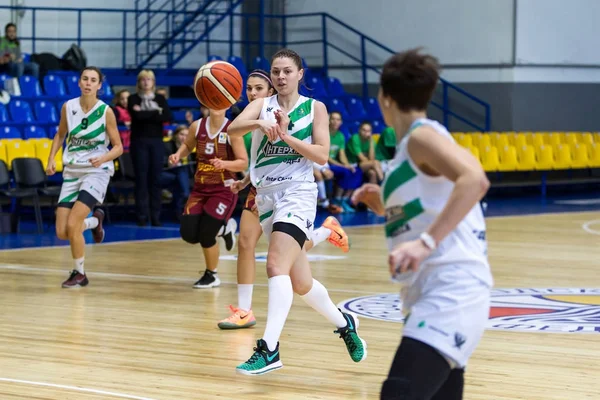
(149, 111)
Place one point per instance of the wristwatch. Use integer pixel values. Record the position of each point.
(428, 240)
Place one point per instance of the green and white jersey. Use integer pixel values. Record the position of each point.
(413, 200)
(86, 137)
(273, 164)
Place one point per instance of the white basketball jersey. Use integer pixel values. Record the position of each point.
(86, 137)
(413, 200)
(276, 163)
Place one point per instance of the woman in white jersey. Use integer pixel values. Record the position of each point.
(436, 236)
(290, 132)
(258, 86)
(90, 127)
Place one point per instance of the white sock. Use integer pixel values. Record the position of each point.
(319, 235)
(90, 223)
(321, 190)
(318, 298)
(281, 295)
(79, 264)
(245, 296)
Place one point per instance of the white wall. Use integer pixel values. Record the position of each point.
(470, 33)
(558, 32)
(108, 54)
(456, 31)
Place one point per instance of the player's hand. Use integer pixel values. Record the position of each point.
(97, 162)
(237, 187)
(269, 129)
(370, 194)
(283, 120)
(174, 159)
(137, 108)
(51, 168)
(218, 163)
(407, 257)
(350, 167)
(283, 134)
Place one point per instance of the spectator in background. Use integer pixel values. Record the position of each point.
(385, 149)
(11, 59)
(163, 92)
(189, 117)
(123, 117)
(361, 150)
(347, 176)
(177, 177)
(149, 111)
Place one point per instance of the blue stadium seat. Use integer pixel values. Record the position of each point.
(3, 114)
(239, 64)
(10, 132)
(378, 126)
(261, 63)
(335, 87)
(73, 85)
(337, 105)
(355, 109)
(45, 112)
(213, 57)
(353, 126)
(59, 105)
(54, 86)
(106, 90)
(316, 88)
(20, 111)
(3, 77)
(34, 132)
(372, 108)
(30, 86)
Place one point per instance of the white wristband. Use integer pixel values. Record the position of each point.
(428, 240)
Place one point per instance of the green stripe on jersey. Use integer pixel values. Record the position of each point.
(265, 216)
(95, 116)
(278, 160)
(409, 211)
(397, 178)
(94, 133)
(301, 111)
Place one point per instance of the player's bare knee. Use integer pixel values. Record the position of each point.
(62, 233)
(301, 287)
(245, 242)
(74, 226)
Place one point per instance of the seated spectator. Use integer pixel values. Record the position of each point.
(361, 150)
(123, 117)
(11, 59)
(177, 178)
(347, 176)
(385, 149)
(323, 173)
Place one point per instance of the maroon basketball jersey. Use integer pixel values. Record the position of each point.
(209, 147)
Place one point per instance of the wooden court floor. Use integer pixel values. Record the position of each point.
(139, 330)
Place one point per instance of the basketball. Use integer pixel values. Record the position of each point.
(218, 85)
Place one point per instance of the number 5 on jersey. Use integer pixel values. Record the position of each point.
(210, 148)
(221, 209)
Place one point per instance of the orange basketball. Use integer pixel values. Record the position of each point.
(218, 85)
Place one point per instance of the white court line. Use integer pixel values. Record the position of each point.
(586, 227)
(76, 389)
(153, 278)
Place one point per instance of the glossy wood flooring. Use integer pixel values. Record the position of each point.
(139, 330)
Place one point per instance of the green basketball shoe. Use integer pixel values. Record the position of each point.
(262, 361)
(357, 348)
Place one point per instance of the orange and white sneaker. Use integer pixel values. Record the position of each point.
(338, 237)
(239, 319)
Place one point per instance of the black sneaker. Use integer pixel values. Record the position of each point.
(209, 279)
(75, 280)
(229, 234)
(262, 361)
